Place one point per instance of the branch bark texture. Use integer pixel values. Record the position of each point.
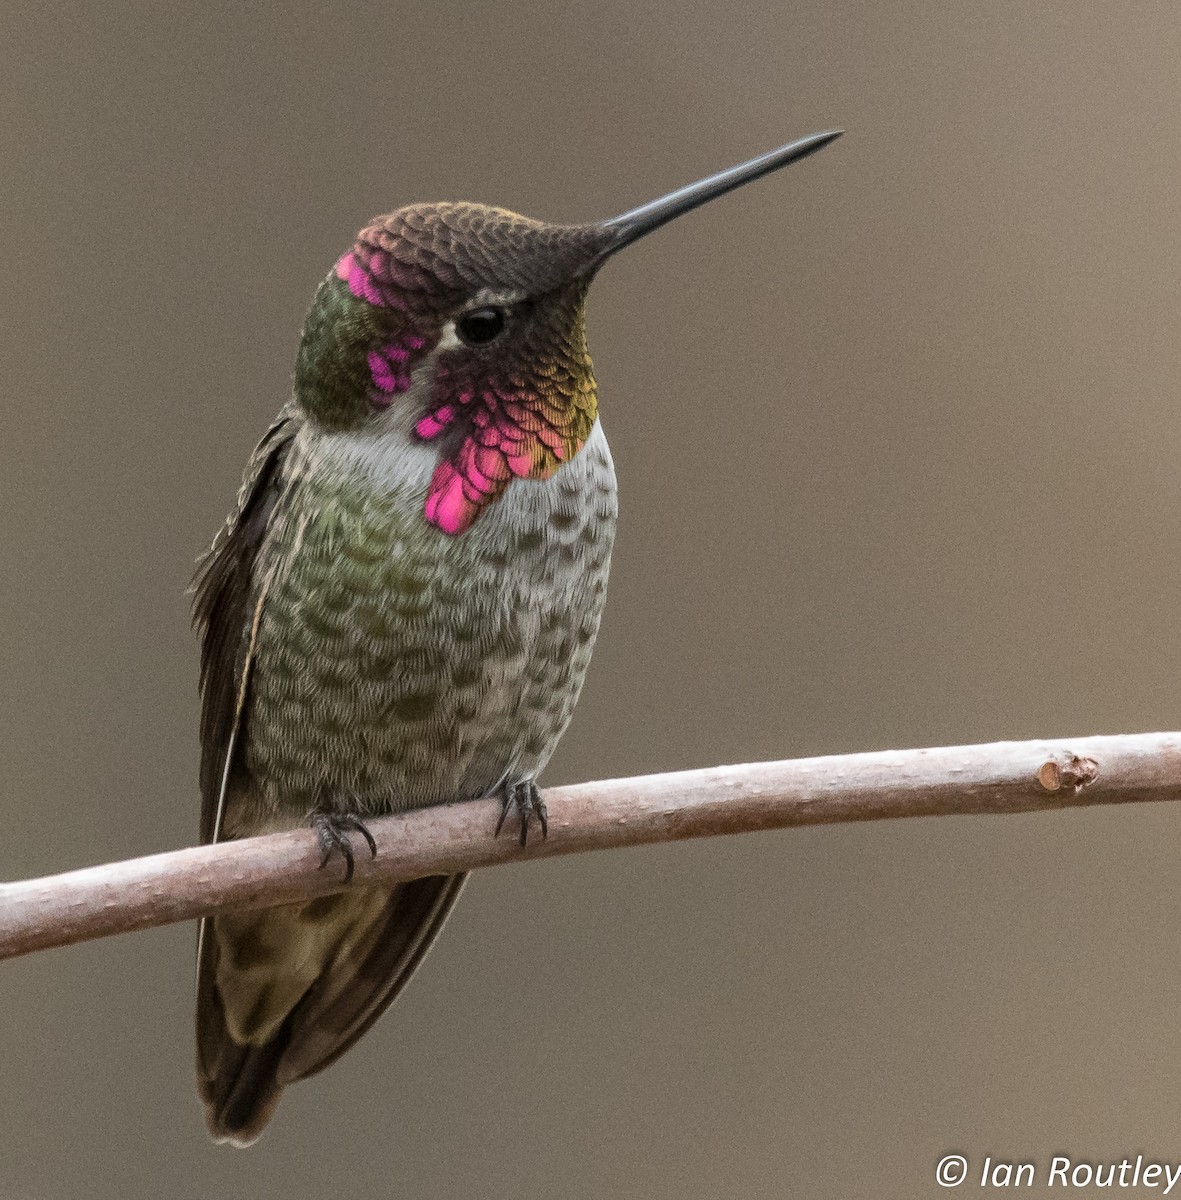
(1003, 777)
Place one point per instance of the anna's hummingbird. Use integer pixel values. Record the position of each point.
(401, 608)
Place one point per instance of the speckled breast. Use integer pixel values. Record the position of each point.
(397, 666)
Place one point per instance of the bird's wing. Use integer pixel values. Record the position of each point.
(282, 992)
(224, 588)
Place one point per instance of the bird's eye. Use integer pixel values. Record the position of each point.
(481, 325)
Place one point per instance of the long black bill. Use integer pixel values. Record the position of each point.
(630, 226)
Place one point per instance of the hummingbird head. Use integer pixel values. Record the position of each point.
(471, 319)
(465, 323)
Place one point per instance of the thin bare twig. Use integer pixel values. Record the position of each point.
(1004, 777)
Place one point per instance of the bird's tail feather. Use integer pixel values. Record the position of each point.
(283, 992)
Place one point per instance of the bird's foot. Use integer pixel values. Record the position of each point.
(524, 798)
(332, 830)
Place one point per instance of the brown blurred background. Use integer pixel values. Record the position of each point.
(897, 438)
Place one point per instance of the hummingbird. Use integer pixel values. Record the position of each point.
(400, 609)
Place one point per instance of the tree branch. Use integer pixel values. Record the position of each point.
(1004, 777)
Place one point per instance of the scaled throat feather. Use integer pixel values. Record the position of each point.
(516, 413)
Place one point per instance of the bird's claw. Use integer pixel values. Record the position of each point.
(525, 799)
(332, 830)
